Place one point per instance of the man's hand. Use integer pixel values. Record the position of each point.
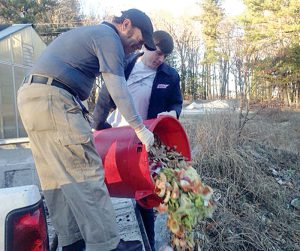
(170, 113)
(146, 136)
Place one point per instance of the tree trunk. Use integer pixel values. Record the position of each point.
(203, 82)
(235, 86)
(286, 96)
(215, 88)
(182, 79)
(209, 81)
(297, 95)
(244, 104)
(227, 81)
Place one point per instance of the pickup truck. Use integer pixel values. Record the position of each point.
(23, 225)
(23, 214)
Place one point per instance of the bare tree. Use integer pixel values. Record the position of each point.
(187, 52)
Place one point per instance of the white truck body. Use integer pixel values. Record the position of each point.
(19, 200)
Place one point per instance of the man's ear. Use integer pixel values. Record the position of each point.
(126, 24)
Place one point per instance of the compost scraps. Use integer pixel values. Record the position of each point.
(185, 198)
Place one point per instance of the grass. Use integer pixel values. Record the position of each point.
(255, 177)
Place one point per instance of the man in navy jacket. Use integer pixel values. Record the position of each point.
(155, 89)
(164, 94)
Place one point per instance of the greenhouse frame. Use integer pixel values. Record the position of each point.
(20, 45)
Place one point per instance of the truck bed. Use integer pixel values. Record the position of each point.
(17, 169)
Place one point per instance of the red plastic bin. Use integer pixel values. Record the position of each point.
(125, 159)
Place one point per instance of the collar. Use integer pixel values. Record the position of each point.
(111, 26)
(163, 67)
(132, 58)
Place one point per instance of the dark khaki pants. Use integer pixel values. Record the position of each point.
(69, 168)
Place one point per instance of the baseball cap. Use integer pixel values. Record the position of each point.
(164, 41)
(140, 20)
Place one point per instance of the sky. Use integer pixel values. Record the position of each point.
(175, 7)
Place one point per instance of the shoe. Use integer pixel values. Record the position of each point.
(129, 246)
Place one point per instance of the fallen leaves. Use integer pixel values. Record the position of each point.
(186, 199)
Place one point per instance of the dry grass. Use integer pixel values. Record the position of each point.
(275, 128)
(256, 175)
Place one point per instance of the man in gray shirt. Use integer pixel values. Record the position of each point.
(49, 102)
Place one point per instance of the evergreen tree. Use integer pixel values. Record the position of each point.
(25, 11)
(49, 17)
(210, 18)
(273, 27)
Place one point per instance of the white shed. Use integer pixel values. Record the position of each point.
(20, 45)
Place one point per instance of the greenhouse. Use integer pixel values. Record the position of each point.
(20, 45)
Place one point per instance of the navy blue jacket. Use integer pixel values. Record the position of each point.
(165, 95)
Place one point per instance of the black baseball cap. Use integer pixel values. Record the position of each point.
(140, 20)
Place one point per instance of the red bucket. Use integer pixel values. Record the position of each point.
(125, 159)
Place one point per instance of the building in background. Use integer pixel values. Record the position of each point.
(20, 45)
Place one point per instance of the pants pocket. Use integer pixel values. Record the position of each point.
(83, 162)
(79, 144)
(36, 112)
